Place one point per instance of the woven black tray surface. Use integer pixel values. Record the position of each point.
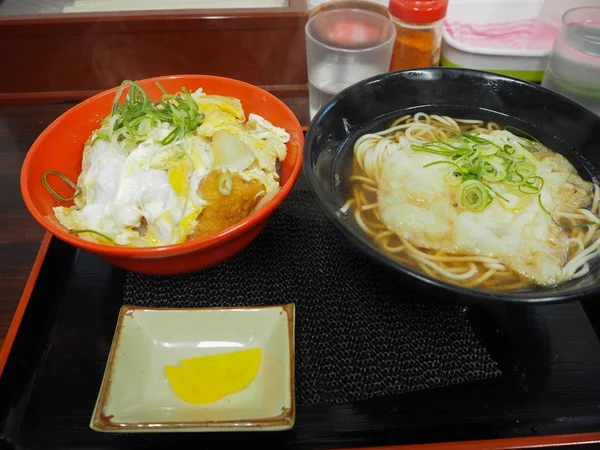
(359, 332)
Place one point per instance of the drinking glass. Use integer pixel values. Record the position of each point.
(573, 68)
(344, 46)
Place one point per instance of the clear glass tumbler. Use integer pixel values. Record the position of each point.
(344, 46)
(573, 68)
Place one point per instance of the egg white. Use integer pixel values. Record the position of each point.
(123, 186)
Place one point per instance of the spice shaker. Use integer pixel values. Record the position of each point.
(418, 32)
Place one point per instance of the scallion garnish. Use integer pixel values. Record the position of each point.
(533, 185)
(225, 183)
(580, 225)
(546, 211)
(97, 233)
(65, 179)
(565, 227)
(479, 161)
(137, 115)
(474, 195)
(530, 139)
(444, 162)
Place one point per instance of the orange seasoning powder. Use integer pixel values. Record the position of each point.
(413, 48)
(418, 32)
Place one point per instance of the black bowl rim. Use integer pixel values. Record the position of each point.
(370, 250)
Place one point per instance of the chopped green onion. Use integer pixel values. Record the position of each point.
(565, 227)
(137, 115)
(145, 126)
(102, 134)
(77, 232)
(525, 169)
(497, 194)
(546, 211)
(580, 225)
(472, 194)
(529, 137)
(435, 163)
(66, 180)
(507, 149)
(519, 172)
(170, 137)
(225, 183)
(533, 185)
(162, 88)
(429, 149)
(493, 171)
(478, 161)
(475, 138)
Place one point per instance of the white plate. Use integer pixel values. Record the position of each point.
(135, 395)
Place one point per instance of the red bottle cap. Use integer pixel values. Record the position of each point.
(418, 11)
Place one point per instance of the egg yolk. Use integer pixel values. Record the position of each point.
(206, 379)
(178, 178)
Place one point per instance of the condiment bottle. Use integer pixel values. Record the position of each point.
(418, 32)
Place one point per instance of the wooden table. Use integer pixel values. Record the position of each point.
(20, 234)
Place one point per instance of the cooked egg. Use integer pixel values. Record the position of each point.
(149, 194)
(206, 379)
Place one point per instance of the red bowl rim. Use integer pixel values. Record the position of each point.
(164, 250)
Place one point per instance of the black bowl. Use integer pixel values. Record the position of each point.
(559, 123)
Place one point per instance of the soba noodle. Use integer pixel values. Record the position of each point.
(472, 270)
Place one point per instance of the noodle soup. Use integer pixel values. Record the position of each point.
(474, 203)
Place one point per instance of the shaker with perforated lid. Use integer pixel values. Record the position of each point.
(418, 32)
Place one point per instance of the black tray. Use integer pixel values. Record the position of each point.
(550, 357)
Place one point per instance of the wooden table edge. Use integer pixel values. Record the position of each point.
(23, 301)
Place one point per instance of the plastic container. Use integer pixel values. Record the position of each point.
(525, 63)
(418, 32)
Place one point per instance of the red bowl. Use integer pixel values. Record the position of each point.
(60, 147)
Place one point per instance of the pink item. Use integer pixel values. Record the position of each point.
(515, 35)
